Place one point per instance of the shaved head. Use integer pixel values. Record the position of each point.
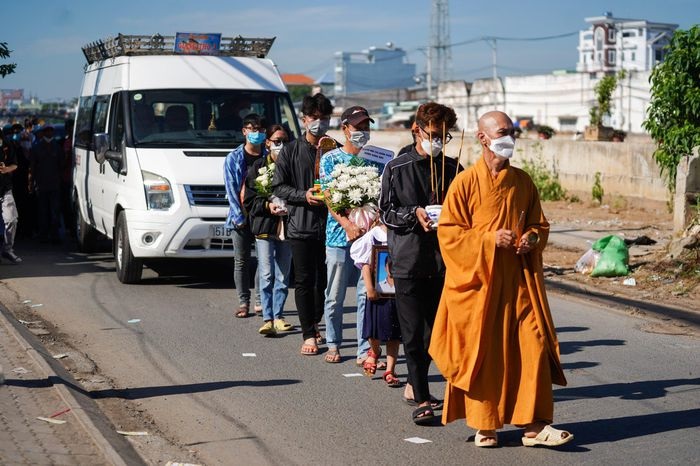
(493, 119)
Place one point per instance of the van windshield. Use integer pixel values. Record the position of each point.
(203, 118)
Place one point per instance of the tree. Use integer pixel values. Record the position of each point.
(603, 91)
(673, 116)
(8, 68)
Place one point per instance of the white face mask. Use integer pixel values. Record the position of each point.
(503, 146)
(431, 148)
(359, 138)
(318, 127)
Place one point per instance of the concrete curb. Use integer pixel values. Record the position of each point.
(85, 409)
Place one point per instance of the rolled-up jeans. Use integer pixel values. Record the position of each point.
(242, 243)
(362, 343)
(274, 263)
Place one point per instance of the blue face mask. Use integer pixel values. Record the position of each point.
(256, 137)
(15, 137)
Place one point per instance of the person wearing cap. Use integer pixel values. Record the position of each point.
(340, 231)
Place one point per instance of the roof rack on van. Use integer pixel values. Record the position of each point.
(157, 44)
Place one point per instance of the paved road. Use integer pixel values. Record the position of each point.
(632, 394)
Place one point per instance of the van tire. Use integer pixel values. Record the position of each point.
(129, 268)
(85, 234)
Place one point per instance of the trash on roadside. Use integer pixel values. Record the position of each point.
(176, 463)
(60, 356)
(133, 321)
(30, 322)
(26, 301)
(36, 305)
(249, 355)
(630, 282)
(51, 421)
(58, 413)
(614, 257)
(417, 440)
(643, 240)
(132, 433)
(20, 370)
(587, 261)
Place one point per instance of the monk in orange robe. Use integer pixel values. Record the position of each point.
(493, 339)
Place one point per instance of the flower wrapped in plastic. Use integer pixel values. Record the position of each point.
(263, 182)
(354, 191)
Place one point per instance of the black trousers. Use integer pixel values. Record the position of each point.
(309, 258)
(417, 301)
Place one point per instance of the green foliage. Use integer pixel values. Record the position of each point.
(673, 115)
(603, 91)
(545, 130)
(597, 192)
(546, 181)
(8, 68)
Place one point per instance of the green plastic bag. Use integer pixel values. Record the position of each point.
(614, 257)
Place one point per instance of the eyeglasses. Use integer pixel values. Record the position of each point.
(279, 141)
(448, 136)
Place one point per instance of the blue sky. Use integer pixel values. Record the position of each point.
(46, 36)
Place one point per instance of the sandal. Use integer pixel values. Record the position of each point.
(370, 368)
(485, 441)
(242, 312)
(332, 356)
(423, 415)
(309, 349)
(548, 437)
(391, 379)
(434, 402)
(258, 310)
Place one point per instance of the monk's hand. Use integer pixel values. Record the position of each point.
(424, 219)
(505, 238)
(527, 243)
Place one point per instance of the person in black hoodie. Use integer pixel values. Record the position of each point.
(293, 181)
(410, 182)
(266, 216)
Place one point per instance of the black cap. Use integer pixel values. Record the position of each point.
(355, 115)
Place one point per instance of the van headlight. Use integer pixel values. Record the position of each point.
(159, 195)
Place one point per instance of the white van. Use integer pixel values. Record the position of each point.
(152, 130)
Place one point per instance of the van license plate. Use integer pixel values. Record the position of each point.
(220, 231)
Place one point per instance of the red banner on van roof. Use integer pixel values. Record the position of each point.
(191, 43)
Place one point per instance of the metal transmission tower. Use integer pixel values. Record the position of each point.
(439, 52)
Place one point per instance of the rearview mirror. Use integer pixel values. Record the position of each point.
(100, 144)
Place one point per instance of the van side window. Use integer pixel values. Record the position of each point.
(83, 123)
(99, 124)
(116, 125)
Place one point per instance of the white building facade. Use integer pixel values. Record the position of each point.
(612, 44)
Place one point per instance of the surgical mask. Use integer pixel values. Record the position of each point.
(256, 137)
(319, 127)
(359, 138)
(503, 146)
(276, 148)
(432, 148)
(15, 137)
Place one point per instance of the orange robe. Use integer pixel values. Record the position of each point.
(493, 338)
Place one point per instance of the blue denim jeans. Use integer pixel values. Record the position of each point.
(242, 242)
(362, 343)
(274, 262)
(340, 271)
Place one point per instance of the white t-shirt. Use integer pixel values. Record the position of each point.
(361, 249)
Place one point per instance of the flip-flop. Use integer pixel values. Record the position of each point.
(332, 356)
(434, 402)
(427, 415)
(548, 437)
(242, 313)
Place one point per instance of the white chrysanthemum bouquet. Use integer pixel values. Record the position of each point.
(354, 189)
(263, 182)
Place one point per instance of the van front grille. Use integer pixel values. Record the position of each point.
(206, 195)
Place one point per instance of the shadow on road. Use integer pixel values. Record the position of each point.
(149, 392)
(625, 391)
(570, 347)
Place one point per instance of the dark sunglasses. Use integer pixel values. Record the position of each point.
(279, 141)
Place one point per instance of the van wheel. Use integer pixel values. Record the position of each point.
(85, 235)
(129, 268)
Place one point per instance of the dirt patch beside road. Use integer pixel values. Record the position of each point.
(657, 278)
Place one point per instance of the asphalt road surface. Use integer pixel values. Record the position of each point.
(632, 396)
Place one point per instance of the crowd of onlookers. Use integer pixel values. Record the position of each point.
(35, 183)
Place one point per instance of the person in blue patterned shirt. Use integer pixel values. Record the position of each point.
(340, 231)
